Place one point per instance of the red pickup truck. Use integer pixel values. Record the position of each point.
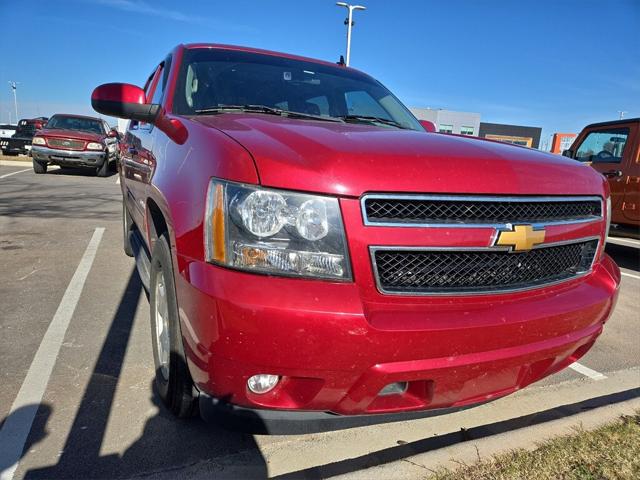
(75, 141)
(313, 254)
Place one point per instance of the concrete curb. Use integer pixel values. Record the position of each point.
(414, 449)
(15, 163)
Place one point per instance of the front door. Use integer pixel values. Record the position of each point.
(605, 148)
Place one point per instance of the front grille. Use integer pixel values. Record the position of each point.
(478, 271)
(450, 210)
(66, 143)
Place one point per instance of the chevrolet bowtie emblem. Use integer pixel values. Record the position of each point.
(521, 238)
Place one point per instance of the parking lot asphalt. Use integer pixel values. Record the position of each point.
(99, 416)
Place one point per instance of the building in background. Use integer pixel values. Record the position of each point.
(562, 142)
(515, 134)
(448, 121)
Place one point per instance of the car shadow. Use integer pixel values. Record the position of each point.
(165, 444)
(626, 256)
(12, 423)
(79, 172)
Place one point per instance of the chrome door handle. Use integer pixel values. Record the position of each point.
(612, 173)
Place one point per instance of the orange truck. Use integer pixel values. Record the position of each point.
(613, 149)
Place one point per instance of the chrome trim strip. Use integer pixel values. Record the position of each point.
(478, 198)
(374, 249)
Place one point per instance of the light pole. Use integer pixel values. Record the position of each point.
(621, 114)
(14, 87)
(349, 23)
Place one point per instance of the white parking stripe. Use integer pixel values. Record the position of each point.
(15, 173)
(587, 372)
(17, 425)
(623, 240)
(630, 275)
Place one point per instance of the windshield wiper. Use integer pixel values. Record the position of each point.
(371, 119)
(264, 109)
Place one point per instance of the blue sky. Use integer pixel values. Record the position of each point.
(555, 64)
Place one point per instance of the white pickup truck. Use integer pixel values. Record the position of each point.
(6, 130)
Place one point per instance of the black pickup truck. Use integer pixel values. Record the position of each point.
(20, 142)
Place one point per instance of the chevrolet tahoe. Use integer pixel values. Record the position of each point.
(313, 253)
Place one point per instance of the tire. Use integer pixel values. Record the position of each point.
(173, 381)
(39, 167)
(127, 226)
(103, 170)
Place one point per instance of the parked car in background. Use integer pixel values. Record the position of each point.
(20, 141)
(75, 141)
(7, 130)
(312, 253)
(613, 149)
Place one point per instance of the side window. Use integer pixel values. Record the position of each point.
(150, 88)
(603, 146)
(362, 104)
(163, 75)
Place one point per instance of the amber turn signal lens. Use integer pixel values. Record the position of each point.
(217, 225)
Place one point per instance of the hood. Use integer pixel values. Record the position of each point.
(351, 159)
(75, 134)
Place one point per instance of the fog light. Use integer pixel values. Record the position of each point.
(394, 389)
(262, 383)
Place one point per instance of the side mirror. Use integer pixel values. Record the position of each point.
(567, 153)
(124, 100)
(428, 125)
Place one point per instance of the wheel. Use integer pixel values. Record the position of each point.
(173, 380)
(127, 225)
(39, 167)
(103, 170)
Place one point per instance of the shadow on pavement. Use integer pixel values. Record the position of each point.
(166, 443)
(625, 256)
(13, 422)
(79, 172)
(406, 450)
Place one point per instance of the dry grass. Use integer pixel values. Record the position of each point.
(609, 452)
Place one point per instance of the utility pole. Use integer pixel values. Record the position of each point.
(621, 114)
(349, 23)
(14, 87)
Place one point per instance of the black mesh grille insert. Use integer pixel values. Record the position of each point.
(422, 271)
(468, 211)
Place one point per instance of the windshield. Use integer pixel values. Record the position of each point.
(211, 78)
(76, 123)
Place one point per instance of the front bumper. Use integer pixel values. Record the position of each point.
(15, 145)
(70, 158)
(335, 350)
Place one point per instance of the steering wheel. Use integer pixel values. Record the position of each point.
(604, 155)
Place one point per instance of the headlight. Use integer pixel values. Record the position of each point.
(38, 141)
(95, 146)
(275, 231)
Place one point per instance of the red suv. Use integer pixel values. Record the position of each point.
(312, 253)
